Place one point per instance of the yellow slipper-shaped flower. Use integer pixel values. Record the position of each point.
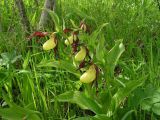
(81, 54)
(70, 39)
(50, 44)
(89, 76)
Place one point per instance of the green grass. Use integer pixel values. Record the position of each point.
(35, 81)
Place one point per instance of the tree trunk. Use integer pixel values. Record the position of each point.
(22, 13)
(44, 20)
(24, 20)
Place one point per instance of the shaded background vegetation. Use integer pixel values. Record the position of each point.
(137, 22)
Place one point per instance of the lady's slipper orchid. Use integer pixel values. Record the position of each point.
(80, 56)
(90, 75)
(51, 43)
(83, 26)
(71, 39)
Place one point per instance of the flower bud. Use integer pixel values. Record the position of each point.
(71, 39)
(89, 76)
(83, 27)
(50, 44)
(81, 54)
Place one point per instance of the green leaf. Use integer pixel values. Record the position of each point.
(34, 117)
(26, 60)
(122, 93)
(156, 108)
(8, 58)
(113, 55)
(82, 14)
(16, 58)
(127, 114)
(152, 97)
(18, 113)
(101, 117)
(105, 100)
(137, 98)
(100, 49)
(81, 99)
(146, 105)
(73, 24)
(33, 19)
(94, 35)
(66, 65)
(83, 118)
(55, 18)
(96, 117)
